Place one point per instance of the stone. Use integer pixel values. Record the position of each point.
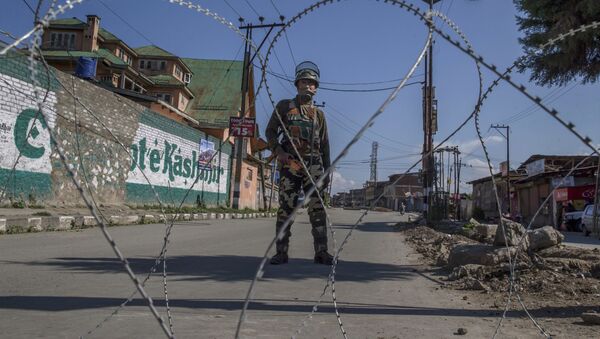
(61, 223)
(34, 224)
(212, 215)
(149, 218)
(592, 318)
(2, 225)
(485, 231)
(515, 233)
(461, 331)
(469, 270)
(478, 254)
(162, 218)
(204, 216)
(239, 216)
(196, 216)
(187, 216)
(220, 216)
(130, 219)
(114, 220)
(544, 237)
(88, 221)
(227, 215)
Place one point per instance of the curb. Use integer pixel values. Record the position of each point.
(69, 222)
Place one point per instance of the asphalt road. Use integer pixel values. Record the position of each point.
(62, 284)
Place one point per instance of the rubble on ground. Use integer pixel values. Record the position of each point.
(476, 257)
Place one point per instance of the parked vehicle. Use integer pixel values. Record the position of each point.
(587, 219)
(573, 221)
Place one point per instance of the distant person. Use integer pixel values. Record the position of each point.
(308, 131)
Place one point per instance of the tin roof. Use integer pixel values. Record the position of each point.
(216, 85)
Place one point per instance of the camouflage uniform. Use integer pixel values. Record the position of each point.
(308, 129)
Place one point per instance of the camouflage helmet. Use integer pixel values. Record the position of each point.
(307, 70)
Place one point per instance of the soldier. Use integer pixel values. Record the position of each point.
(308, 130)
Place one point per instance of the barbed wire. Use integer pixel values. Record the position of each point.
(35, 33)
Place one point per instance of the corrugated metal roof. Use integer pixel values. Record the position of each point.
(106, 35)
(68, 22)
(165, 79)
(216, 85)
(101, 53)
(152, 50)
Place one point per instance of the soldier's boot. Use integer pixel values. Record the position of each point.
(279, 258)
(320, 244)
(323, 257)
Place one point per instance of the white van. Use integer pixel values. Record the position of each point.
(587, 219)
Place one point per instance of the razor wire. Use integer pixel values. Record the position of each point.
(367, 125)
(36, 39)
(505, 77)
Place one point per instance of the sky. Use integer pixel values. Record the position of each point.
(365, 45)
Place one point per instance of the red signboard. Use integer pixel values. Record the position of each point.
(575, 193)
(241, 127)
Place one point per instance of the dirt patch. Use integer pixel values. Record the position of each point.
(559, 282)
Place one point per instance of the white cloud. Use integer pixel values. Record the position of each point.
(341, 184)
(474, 144)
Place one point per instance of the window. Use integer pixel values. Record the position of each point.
(249, 174)
(142, 64)
(164, 97)
(163, 65)
(62, 40)
(178, 72)
(187, 78)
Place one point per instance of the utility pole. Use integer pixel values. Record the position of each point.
(428, 128)
(507, 137)
(373, 176)
(248, 58)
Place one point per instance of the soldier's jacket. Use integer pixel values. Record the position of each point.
(306, 124)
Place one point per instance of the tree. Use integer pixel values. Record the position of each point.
(577, 57)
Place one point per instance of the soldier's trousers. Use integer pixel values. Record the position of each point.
(289, 187)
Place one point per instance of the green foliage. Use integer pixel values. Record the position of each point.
(577, 57)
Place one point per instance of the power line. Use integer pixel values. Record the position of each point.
(352, 83)
(233, 9)
(252, 8)
(350, 90)
(126, 22)
(29, 6)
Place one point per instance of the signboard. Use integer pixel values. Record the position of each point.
(206, 154)
(585, 193)
(535, 167)
(567, 182)
(241, 127)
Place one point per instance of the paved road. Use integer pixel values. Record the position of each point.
(577, 239)
(59, 285)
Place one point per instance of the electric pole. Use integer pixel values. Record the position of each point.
(507, 137)
(428, 128)
(374, 163)
(248, 58)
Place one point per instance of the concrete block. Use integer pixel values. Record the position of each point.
(239, 216)
(149, 218)
(220, 216)
(171, 216)
(227, 216)
(34, 224)
(161, 218)
(187, 216)
(114, 220)
(61, 223)
(212, 215)
(130, 219)
(88, 221)
(196, 216)
(204, 216)
(2, 225)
